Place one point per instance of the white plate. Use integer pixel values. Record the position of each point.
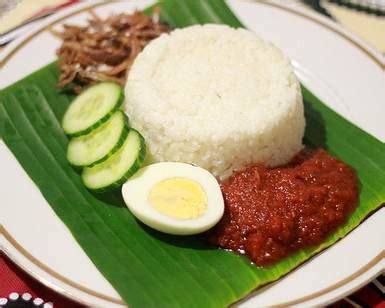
(334, 64)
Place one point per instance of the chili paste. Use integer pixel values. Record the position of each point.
(270, 213)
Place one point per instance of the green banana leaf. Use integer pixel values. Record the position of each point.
(148, 268)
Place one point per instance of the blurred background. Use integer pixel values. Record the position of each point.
(366, 18)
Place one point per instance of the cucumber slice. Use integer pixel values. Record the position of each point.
(92, 108)
(119, 167)
(95, 147)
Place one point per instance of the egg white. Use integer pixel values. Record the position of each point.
(137, 189)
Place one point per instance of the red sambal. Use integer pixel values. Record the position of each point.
(270, 213)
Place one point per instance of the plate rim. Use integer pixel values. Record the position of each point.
(14, 47)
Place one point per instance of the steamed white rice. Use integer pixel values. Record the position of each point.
(217, 97)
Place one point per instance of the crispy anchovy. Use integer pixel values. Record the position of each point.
(104, 49)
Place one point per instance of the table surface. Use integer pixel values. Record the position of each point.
(15, 283)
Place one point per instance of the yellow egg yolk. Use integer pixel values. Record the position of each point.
(179, 198)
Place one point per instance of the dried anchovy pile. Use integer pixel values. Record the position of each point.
(105, 48)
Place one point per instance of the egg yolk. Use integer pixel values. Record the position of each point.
(179, 198)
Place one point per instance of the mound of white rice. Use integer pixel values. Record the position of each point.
(217, 97)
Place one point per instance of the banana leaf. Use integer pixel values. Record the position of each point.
(148, 268)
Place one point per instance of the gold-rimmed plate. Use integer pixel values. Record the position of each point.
(327, 59)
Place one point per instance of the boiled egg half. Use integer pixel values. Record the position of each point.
(175, 198)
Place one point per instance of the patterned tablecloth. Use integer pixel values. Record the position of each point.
(365, 18)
